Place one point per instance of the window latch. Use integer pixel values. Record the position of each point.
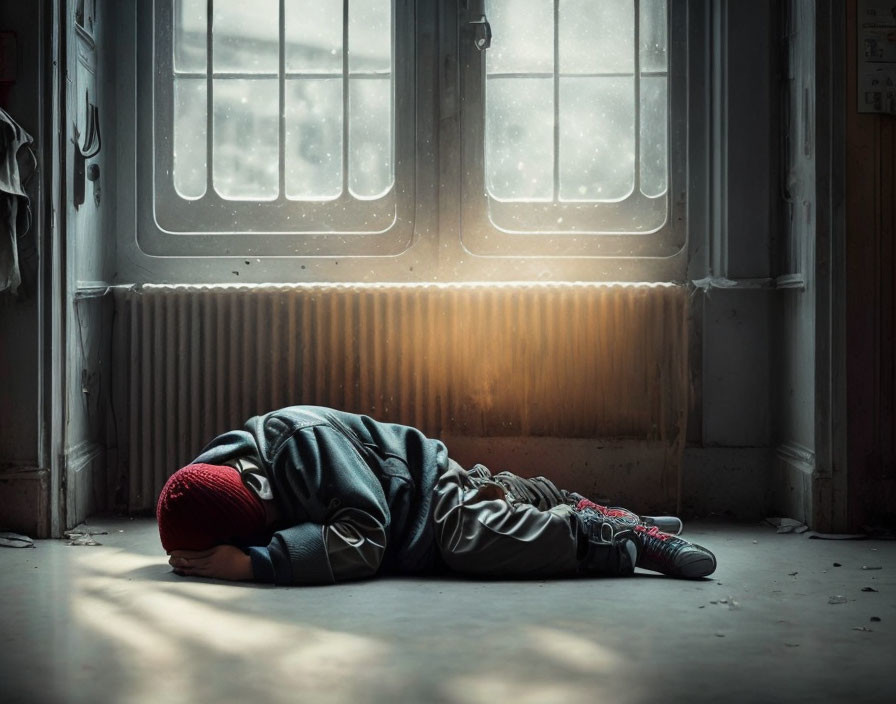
(482, 33)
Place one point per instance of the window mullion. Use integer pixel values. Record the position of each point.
(637, 60)
(209, 99)
(345, 87)
(281, 177)
(556, 196)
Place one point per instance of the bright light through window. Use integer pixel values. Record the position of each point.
(298, 105)
(576, 100)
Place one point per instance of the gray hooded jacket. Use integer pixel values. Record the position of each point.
(354, 495)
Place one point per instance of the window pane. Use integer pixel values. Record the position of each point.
(653, 35)
(246, 36)
(519, 138)
(653, 135)
(370, 35)
(189, 35)
(314, 138)
(246, 138)
(596, 37)
(189, 137)
(597, 138)
(313, 32)
(370, 165)
(523, 36)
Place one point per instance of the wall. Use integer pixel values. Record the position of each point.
(24, 487)
(56, 339)
(870, 304)
(810, 470)
(794, 461)
(748, 358)
(90, 252)
(733, 230)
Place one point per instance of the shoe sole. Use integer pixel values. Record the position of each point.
(694, 566)
(698, 566)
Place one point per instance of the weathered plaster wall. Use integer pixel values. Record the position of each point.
(794, 345)
(871, 304)
(90, 253)
(23, 474)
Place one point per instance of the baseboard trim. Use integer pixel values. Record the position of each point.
(731, 482)
(25, 501)
(85, 481)
(638, 474)
(795, 482)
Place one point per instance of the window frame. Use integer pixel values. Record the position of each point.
(172, 226)
(590, 237)
(432, 247)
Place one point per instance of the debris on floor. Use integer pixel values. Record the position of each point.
(787, 525)
(815, 535)
(82, 535)
(15, 540)
(837, 599)
(875, 619)
(730, 602)
(869, 589)
(863, 628)
(871, 567)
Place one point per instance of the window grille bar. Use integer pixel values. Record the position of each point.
(293, 75)
(556, 196)
(393, 47)
(345, 86)
(351, 74)
(281, 176)
(209, 98)
(637, 135)
(546, 74)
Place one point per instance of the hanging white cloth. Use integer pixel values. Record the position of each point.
(15, 205)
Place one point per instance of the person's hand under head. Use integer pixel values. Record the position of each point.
(218, 562)
(202, 510)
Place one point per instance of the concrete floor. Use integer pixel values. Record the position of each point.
(111, 623)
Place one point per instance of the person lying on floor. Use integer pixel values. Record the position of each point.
(312, 495)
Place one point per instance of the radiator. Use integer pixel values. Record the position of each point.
(467, 360)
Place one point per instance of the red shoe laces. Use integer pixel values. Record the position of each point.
(653, 532)
(608, 512)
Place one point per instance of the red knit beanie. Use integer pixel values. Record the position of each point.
(202, 505)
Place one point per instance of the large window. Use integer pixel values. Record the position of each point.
(297, 112)
(573, 152)
(424, 133)
(280, 117)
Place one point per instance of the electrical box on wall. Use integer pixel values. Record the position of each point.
(876, 61)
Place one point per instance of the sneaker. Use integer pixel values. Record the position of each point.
(630, 519)
(667, 524)
(671, 555)
(610, 551)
